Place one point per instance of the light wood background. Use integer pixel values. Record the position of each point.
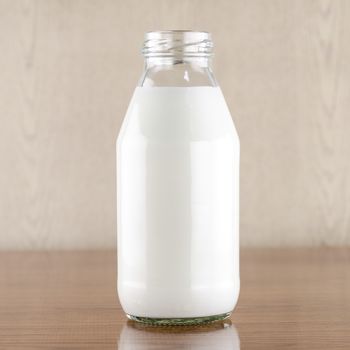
(68, 69)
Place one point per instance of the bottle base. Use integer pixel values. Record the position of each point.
(179, 321)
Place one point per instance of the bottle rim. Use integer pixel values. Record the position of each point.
(177, 43)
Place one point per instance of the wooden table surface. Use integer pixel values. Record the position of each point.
(290, 299)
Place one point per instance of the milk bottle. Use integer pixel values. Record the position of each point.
(178, 188)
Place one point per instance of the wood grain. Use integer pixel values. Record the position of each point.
(68, 69)
(290, 299)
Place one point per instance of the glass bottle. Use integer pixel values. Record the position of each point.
(178, 188)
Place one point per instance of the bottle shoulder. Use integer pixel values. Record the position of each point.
(178, 113)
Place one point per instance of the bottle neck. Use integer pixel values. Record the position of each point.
(166, 62)
(177, 58)
(177, 72)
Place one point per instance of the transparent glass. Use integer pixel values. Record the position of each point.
(177, 58)
(178, 189)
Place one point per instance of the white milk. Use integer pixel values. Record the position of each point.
(178, 173)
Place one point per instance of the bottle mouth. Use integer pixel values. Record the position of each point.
(177, 43)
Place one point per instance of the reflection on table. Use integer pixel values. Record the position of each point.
(216, 336)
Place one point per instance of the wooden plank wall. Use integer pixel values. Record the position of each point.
(68, 69)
